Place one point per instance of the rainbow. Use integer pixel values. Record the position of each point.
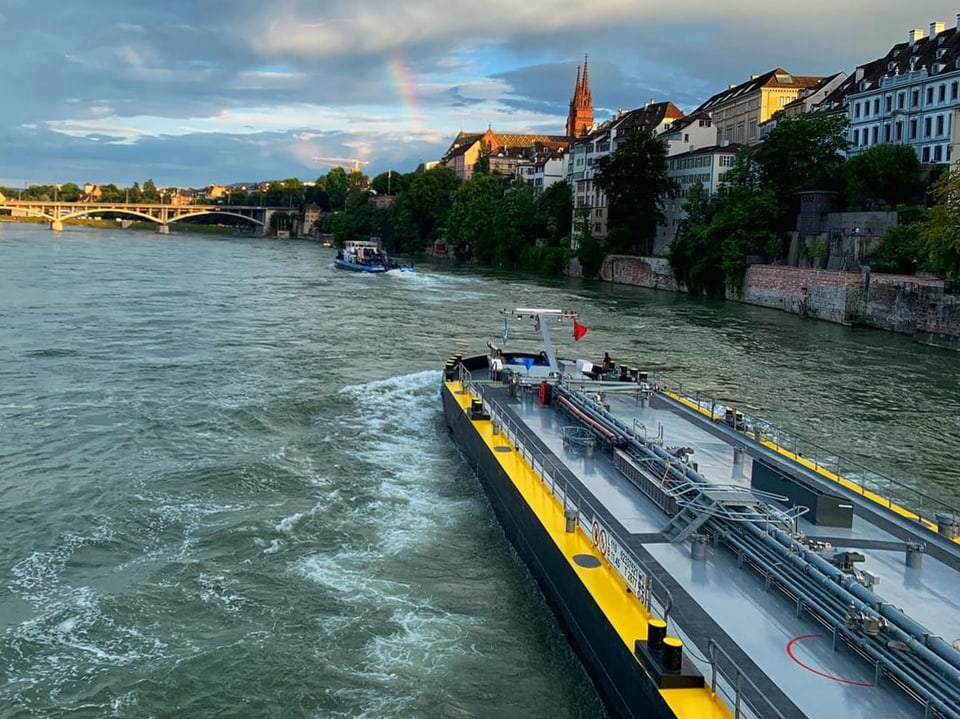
(404, 87)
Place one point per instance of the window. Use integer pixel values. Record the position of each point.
(901, 99)
(939, 125)
(898, 132)
(874, 133)
(929, 95)
(886, 132)
(953, 90)
(941, 93)
(925, 155)
(913, 129)
(876, 106)
(927, 122)
(915, 98)
(856, 138)
(856, 109)
(888, 103)
(938, 153)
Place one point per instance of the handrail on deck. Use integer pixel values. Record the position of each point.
(859, 478)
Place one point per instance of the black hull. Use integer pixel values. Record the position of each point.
(623, 685)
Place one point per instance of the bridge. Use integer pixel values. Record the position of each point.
(163, 215)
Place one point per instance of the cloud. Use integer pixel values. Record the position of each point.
(188, 92)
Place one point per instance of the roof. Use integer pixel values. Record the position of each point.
(502, 141)
(932, 55)
(777, 77)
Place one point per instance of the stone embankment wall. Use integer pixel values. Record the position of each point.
(653, 272)
(923, 307)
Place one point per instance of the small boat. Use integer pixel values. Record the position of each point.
(367, 256)
(703, 562)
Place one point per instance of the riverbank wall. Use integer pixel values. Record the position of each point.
(926, 308)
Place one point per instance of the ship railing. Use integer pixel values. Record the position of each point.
(738, 691)
(653, 593)
(727, 679)
(875, 486)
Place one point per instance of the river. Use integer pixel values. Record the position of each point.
(226, 488)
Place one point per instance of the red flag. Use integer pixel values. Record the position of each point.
(579, 330)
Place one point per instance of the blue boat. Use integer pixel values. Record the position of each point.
(367, 256)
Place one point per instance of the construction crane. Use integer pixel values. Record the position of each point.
(339, 162)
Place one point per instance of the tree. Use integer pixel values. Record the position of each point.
(695, 257)
(470, 222)
(802, 153)
(939, 238)
(514, 226)
(335, 184)
(900, 250)
(889, 173)
(150, 192)
(636, 183)
(710, 251)
(555, 210)
(421, 212)
(390, 183)
(589, 252)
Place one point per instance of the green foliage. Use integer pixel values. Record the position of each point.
(590, 252)
(709, 253)
(470, 222)
(635, 181)
(150, 191)
(555, 212)
(420, 213)
(514, 225)
(939, 238)
(390, 183)
(889, 173)
(335, 186)
(802, 153)
(900, 250)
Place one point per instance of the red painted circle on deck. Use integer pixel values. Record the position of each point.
(800, 638)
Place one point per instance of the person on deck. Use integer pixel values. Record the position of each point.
(607, 365)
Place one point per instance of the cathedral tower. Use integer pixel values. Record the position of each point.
(580, 119)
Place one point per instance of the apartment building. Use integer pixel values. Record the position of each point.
(740, 110)
(583, 166)
(910, 96)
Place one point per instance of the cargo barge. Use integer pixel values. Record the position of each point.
(701, 562)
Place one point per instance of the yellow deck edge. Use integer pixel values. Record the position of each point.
(622, 608)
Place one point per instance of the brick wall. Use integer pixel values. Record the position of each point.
(920, 306)
(653, 272)
(822, 294)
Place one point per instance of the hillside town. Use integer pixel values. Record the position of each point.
(908, 96)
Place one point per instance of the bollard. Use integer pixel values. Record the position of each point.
(914, 555)
(947, 525)
(698, 546)
(656, 631)
(570, 514)
(672, 654)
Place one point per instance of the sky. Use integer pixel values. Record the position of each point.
(193, 92)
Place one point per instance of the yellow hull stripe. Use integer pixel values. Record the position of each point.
(822, 471)
(622, 608)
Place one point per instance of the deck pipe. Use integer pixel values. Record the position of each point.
(917, 631)
(910, 670)
(849, 591)
(933, 649)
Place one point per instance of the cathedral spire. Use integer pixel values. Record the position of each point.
(586, 98)
(580, 118)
